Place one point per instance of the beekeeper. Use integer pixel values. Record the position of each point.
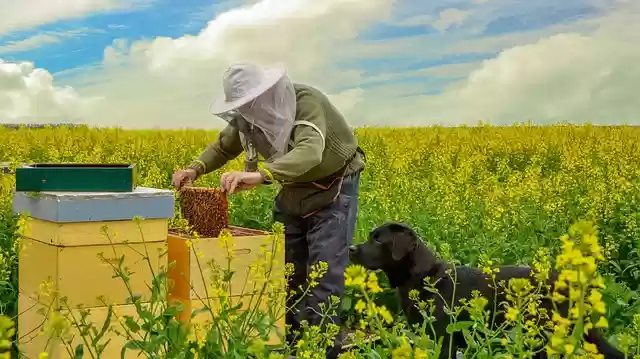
(310, 150)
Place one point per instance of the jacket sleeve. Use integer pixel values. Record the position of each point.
(226, 147)
(308, 144)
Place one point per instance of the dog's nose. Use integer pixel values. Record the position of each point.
(353, 249)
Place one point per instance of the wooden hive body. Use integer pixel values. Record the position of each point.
(189, 256)
(66, 236)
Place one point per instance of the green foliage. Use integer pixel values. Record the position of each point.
(474, 194)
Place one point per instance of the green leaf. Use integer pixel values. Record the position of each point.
(134, 345)
(79, 351)
(171, 311)
(459, 326)
(105, 326)
(346, 303)
(204, 309)
(228, 274)
(131, 324)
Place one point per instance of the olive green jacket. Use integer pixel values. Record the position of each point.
(322, 143)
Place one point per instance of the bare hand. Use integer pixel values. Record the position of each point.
(233, 182)
(183, 177)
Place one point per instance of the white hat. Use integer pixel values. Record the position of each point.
(242, 83)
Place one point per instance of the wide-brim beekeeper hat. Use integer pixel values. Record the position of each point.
(242, 83)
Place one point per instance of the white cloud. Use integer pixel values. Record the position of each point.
(30, 43)
(27, 95)
(347, 99)
(20, 14)
(565, 77)
(169, 82)
(41, 39)
(416, 20)
(450, 17)
(548, 75)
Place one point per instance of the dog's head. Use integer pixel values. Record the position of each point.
(387, 246)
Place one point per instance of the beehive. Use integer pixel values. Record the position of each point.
(206, 211)
(72, 241)
(190, 271)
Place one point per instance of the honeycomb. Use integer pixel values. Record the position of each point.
(205, 209)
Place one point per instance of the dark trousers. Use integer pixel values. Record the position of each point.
(324, 236)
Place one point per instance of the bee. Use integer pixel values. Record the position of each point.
(205, 209)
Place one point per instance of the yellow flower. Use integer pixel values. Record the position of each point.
(512, 314)
(5, 344)
(372, 284)
(347, 355)
(403, 351)
(602, 323)
(558, 298)
(575, 312)
(385, 314)
(556, 341)
(43, 356)
(360, 306)
(595, 299)
(590, 265)
(420, 354)
(569, 348)
(598, 282)
(355, 276)
(591, 348)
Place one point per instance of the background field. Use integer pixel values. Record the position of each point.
(471, 192)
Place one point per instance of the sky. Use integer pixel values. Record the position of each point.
(159, 63)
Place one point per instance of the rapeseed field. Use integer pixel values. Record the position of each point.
(563, 197)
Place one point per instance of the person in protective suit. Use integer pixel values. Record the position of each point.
(311, 151)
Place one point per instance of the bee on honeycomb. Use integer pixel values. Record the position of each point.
(205, 209)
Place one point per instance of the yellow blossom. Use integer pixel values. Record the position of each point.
(602, 323)
(355, 276)
(385, 314)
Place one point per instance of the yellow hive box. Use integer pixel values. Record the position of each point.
(33, 342)
(52, 253)
(193, 278)
(64, 237)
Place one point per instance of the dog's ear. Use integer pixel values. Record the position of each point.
(403, 240)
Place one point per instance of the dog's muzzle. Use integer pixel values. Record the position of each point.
(353, 249)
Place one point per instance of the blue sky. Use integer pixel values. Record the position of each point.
(371, 56)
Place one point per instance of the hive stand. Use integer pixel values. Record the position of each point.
(191, 274)
(62, 243)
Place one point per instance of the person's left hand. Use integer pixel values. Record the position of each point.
(236, 181)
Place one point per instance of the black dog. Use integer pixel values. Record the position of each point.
(396, 249)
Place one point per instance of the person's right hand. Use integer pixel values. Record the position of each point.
(183, 177)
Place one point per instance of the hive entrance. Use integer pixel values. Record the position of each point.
(205, 209)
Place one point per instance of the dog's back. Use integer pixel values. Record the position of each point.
(398, 250)
(470, 279)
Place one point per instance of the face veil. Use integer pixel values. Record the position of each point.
(272, 114)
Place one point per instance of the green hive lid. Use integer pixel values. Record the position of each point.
(76, 177)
